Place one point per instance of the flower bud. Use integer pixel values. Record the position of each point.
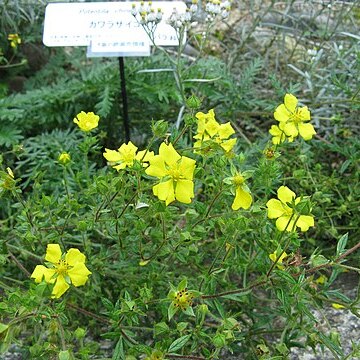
(219, 340)
(159, 128)
(64, 158)
(193, 102)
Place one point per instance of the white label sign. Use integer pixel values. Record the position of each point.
(82, 24)
(129, 45)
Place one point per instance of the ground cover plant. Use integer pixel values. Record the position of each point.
(225, 221)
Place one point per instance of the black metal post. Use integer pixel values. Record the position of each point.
(124, 99)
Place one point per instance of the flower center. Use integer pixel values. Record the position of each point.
(175, 174)
(183, 299)
(128, 156)
(238, 180)
(288, 211)
(296, 117)
(62, 267)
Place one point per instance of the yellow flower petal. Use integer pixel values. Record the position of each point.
(285, 194)
(282, 223)
(120, 166)
(321, 280)
(74, 256)
(112, 155)
(337, 306)
(226, 130)
(212, 127)
(304, 113)
(148, 155)
(275, 208)
(157, 167)
(53, 253)
(275, 131)
(60, 287)
(128, 148)
(165, 191)
(304, 222)
(306, 130)
(228, 145)
(41, 271)
(281, 113)
(274, 256)
(79, 274)
(187, 167)
(169, 154)
(290, 102)
(184, 191)
(242, 199)
(290, 129)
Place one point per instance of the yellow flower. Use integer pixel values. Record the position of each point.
(274, 256)
(183, 299)
(321, 280)
(210, 129)
(14, 39)
(243, 197)
(87, 121)
(64, 158)
(293, 118)
(175, 173)
(286, 215)
(126, 155)
(64, 269)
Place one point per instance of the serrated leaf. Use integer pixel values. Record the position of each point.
(107, 303)
(119, 353)
(160, 328)
(179, 343)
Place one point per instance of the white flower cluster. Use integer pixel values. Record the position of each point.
(212, 9)
(216, 7)
(177, 20)
(146, 14)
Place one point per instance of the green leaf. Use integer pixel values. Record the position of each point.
(340, 248)
(160, 328)
(182, 285)
(179, 343)
(119, 353)
(107, 304)
(285, 276)
(189, 311)
(330, 343)
(3, 327)
(172, 309)
(239, 297)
